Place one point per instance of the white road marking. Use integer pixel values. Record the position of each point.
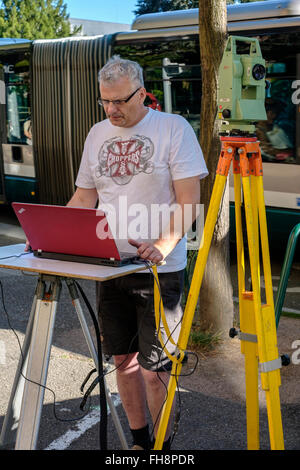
(64, 441)
(2, 353)
(290, 310)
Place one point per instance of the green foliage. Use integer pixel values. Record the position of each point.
(35, 19)
(203, 340)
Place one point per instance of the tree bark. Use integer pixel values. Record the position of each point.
(216, 303)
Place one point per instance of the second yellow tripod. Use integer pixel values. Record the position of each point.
(257, 321)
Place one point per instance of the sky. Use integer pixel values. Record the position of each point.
(116, 11)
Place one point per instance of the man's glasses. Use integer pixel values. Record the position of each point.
(102, 102)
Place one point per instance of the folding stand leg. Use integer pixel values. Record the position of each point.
(248, 330)
(12, 417)
(75, 299)
(37, 367)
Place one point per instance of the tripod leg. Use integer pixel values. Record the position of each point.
(191, 304)
(273, 382)
(264, 242)
(254, 203)
(247, 335)
(239, 234)
(265, 325)
(161, 432)
(249, 349)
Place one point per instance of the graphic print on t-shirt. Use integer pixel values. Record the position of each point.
(122, 159)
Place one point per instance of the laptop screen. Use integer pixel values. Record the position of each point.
(67, 230)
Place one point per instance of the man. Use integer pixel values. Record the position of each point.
(151, 159)
(274, 141)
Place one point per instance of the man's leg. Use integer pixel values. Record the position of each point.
(131, 388)
(152, 356)
(137, 388)
(156, 388)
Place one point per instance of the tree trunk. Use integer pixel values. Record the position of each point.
(216, 303)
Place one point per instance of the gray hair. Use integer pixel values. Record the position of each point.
(117, 68)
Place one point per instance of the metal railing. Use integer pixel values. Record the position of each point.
(285, 272)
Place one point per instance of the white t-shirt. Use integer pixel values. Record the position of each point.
(133, 169)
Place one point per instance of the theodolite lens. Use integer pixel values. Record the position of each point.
(258, 72)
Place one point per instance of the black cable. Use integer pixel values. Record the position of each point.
(159, 346)
(178, 412)
(103, 403)
(132, 339)
(148, 264)
(101, 376)
(16, 256)
(161, 352)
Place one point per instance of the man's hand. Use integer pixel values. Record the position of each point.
(147, 251)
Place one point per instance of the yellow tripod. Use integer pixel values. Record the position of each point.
(257, 322)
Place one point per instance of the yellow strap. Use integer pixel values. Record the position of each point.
(160, 314)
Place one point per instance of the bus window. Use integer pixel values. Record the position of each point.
(172, 74)
(18, 113)
(16, 73)
(278, 135)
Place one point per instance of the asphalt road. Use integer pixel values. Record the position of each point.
(207, 423)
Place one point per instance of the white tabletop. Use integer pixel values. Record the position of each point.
(10, 258)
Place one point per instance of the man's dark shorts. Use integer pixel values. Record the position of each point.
(127, 317)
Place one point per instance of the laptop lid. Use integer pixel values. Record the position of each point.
(67, 230)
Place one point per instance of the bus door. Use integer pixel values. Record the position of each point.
(2, 131)
(18, 177)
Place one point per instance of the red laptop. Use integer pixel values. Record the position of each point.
(70, 234)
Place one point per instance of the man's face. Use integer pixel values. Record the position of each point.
(123, 114)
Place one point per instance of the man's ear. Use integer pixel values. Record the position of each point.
(143, 94)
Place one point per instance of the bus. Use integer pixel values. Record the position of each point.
(49, 89)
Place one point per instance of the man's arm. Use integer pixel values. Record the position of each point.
(84, 198)
(187, 192)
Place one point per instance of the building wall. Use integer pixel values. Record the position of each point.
(95, 28)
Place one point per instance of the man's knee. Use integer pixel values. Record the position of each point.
(126, 363)
(155, 379)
